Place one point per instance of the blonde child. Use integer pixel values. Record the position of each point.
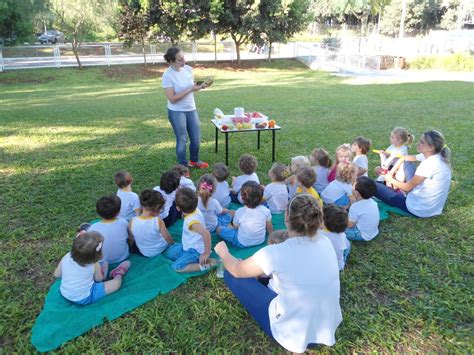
(247, 165)
(400, 139)
(130, 203)
(82, 278)
(211, 209)
(306, 179)
(169, 184)
(192, 254)
(297, 163)
(183, 172)
(276, 193)
(321, 166)
(360, 147)
(343, 155)
(113, 229)
(251, 222)
(148, 230)
(335, 223)
(339, 191)
(222, 193)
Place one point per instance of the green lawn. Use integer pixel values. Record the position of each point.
(64, 133)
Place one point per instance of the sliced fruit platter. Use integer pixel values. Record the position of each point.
(246, 125)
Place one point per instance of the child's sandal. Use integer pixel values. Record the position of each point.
(121, 269)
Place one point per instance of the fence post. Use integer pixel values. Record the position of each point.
(194, 50)
(57, 56)
(1, 59)
(108, 54)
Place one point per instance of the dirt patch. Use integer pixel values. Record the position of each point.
(130, 73)
(231, 66)
(26, 80)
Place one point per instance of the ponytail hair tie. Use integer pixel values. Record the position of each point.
(445, 146)
(99, 246)
(205, 186)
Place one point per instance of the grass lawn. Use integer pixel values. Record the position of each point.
(64, 133)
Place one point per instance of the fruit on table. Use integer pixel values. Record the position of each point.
(261, 125)
(247, 125)
(239, 126)
(224, 127)
(271, 124)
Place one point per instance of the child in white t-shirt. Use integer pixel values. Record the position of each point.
(276, 193)
(321, 166)
(339, 191)
(148, 230)
(247, 165)
(192, 254)
(211, 209)
(222, 193)
(250, 223)
(364, 214)
(183, 172)
(169, 184)
(113, 229)
(360, 146)
(82, 277)
(297, 163)
(335, 223)
(130, 203)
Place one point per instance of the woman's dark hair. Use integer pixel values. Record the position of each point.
(108, 207)
(169, 181)
(152, 200)
(304, 216)
(170, 55)
(186, 200)
(220, 171)
(252, 194)
(335, 218)
(437, 140)
(84, 248)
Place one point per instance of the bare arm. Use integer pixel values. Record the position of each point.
(405, 186)
(57, 272)
(98, 275)
(173, 97)
(361, 171)
(269, 227)
(238, 268)
(199, 228)
(351, 224)
(164, 232)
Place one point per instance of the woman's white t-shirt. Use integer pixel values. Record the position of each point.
(180, 81)
(305, 275)
(428, 198)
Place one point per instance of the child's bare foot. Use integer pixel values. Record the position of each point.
(121, 269)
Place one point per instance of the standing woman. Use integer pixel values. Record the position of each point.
(179, 86)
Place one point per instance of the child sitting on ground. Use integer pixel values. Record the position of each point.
(364, 214)
(306, 179)
(297, 163)
(169, 183)
(222, 193)
(82, 278)
(113, 229)
(192, 254)
(276, 193)
(321, 166)
(339, 191)
(250, 222)
(183, 172)
(360, 147)
(343, 155)
(148, 231)
(130, 204)
(335, 223)
(211, 209)
(247, 165)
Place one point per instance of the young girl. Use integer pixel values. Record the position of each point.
(400, 139)
(321, 166)
(222, 193)
(276, 193)
(297, 163)
(211, 209)
(250, 222)
(82, 276)
(247, 165)
(148, 231)
(343, 155)
(339, 191)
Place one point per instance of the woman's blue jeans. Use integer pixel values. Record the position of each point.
(186, 123)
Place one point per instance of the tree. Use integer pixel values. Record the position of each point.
(78, 18)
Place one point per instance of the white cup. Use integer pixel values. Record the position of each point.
(239, 112)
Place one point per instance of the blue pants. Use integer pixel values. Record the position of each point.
(184, 124)
(234, 198)
(254, 296)
(173, 215)
(229, 234)
(181, 258)
(354, 234)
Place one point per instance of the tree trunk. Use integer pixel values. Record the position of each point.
(401, 33)
(270, 46)
(75, 46)
(215, 48)
(143, 51)
(237, 47)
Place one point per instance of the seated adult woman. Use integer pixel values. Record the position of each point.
(424, 194)
(300, 306)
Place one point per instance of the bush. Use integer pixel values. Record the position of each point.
(453, 62)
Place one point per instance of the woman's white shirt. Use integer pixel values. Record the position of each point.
(180, 81)
(305, 275)
(428, 198)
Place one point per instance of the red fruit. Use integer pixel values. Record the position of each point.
(248, 114)
(225, 127)
(256, 115)
(246, 119)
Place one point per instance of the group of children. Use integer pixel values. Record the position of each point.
(138, 223)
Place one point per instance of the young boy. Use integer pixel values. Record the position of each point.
(113, 229)
(364, 213)
(335, 223)
(192, 254)
(130, 203)
(183, 172)
(247, 165)
(306, 178)
(222, 193)
(360, 147)
(169, 183)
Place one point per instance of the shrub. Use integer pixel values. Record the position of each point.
(453, 62)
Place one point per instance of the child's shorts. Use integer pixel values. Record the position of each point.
(97, 292)
(181, 258)
(354, 234)
(230, 235)
(342, 201)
